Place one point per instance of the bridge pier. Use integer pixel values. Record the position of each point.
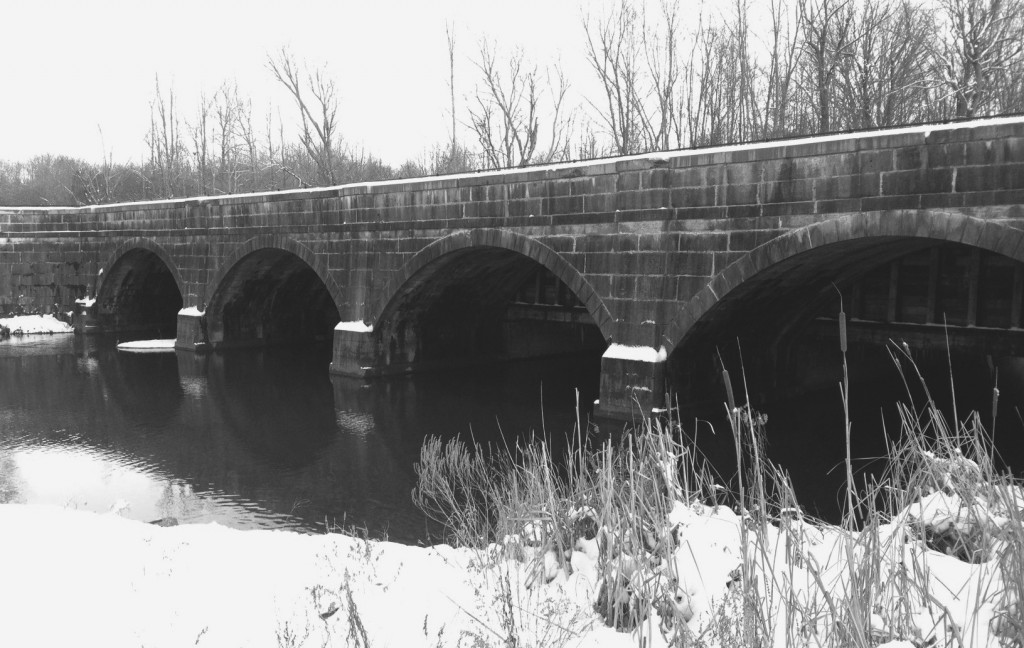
(353, 352)
(191, 332)
(632, 382)
(83, 317)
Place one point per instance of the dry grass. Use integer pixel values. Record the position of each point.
(878, 576)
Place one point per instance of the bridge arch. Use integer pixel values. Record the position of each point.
(270, 289)
(462, 299)
(139, 288)
(268, 241)
(143, 244)
(855, 236)
(504, 239)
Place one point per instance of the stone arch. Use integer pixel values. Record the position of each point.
(892, 225)
(503, 239)
(138, 243)
(138, 289)
(267, 241)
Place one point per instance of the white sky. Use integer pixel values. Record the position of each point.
(72, 67)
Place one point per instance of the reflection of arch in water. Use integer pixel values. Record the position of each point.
(275, 404)
(270, 291)
(484, 295)
(280, 433)
(141, 290)
(145, 387)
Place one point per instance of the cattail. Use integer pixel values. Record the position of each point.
(728, 390)
(842, 331)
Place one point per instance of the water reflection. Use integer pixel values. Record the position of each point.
(250, 439)
(805, 434)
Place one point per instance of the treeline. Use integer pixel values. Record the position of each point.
(664, 80)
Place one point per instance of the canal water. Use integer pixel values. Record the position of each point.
(267, 439)
(253, 438)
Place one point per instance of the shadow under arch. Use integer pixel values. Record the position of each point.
(843, 245)
(139, 289)
(502, 239)
(271, 290)
(485, 295)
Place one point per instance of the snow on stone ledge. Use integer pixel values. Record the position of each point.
(86, 301)
(147, 345)
(35, 324)
(192, 311)
(637, 353)
(357, 326)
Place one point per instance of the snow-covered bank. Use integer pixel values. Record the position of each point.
(35, 324)
(86, 579)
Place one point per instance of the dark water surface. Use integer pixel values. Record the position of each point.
(267, 439)
(250, 439)
(805, 434)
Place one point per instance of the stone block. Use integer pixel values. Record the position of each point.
(912, 201)
(741, 194)
(700, 264)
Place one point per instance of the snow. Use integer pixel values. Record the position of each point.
(35, 324)
(86, 301)
(638, 353)
(357, 326)
(74, 578)
(116, 582)
(191, 311)
(147, 345)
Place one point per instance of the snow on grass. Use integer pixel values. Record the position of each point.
(35, 324)
(140, 346)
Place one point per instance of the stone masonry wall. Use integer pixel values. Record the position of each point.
(646, 233)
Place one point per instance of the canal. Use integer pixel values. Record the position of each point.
(267, 439)
(252, 438)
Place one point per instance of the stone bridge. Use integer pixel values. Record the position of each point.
(652, 260)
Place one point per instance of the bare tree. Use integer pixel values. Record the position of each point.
(885, 80)
(614, 50)
(250, 144)
(165, 146)
(450, 33)
(199, 131)
(316, 97)
(506, 118)
(660, 49)
(982, 48)
(779, 73)
(827, 30)
(229, 111)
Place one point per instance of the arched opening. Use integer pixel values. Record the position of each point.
(955, 306)
(482, 304)
(931, 294)
(270, 297)
(139, 295)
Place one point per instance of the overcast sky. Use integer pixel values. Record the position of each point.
(74, 67)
